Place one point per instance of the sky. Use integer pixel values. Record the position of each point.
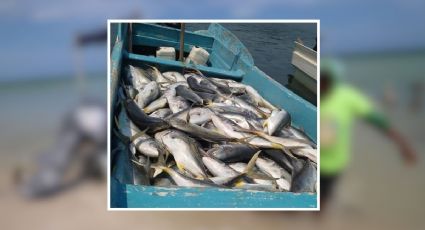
(38, 35)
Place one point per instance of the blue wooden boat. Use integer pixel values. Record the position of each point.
(228, 59)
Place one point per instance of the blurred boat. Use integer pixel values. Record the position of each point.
(304, 59)
(228, 58)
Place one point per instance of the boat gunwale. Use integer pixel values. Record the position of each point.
(124, 190)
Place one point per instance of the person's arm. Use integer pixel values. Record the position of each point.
(363, 107)
(380, 122)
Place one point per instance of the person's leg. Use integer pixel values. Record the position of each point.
(327, 184)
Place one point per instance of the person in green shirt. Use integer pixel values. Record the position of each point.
(340, 106)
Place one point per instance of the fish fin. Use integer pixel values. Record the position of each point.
(200, 177)
(266, 123)
(159, 166)
(261, 112)
(148, 163)
(262, 177)
(245, 140)
(203, 124)
(239, 184)
(251, 130)
(209, 104)
(251, 127)
(152, 67)
(167, 154)
(188, 113)
(161, 160)
(198, 153)
(159, 169)
(278, 146)
(139, 134)
(180, 166)
(136, 162)
(288, 152)
(251, 163)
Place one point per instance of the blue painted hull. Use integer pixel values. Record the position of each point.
(228, 59)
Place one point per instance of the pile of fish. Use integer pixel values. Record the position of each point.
(193, 131)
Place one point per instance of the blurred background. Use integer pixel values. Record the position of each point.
(53, 64)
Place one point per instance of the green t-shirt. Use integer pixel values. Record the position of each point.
(338, 111)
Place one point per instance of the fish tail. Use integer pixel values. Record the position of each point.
(251, 163)
(159, 167)
(137, 135)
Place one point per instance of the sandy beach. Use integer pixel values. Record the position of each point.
(378, 190)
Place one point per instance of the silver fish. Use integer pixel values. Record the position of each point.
(194, 84)
(188, 94)
(240, 167)
(223, 108)
(277, 120)
(238, 119)
(185, 153)
(227, 127)
(141, 170)
(146, 145)
(307, 152)
(155, 105)
(139, 141)
(185, 181)
(157, 75)
(137, 76)
(209, 132)
(218, 168)
(199, 115)
(247, 106)
(177, 104)
(149, 93)
(232, 130)
(284, 142)
(258, 98)
(174, 76)
(272, 169)
(233, 152)
(197, 131)
(161, 113)
(141, 120)
(305, 180)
